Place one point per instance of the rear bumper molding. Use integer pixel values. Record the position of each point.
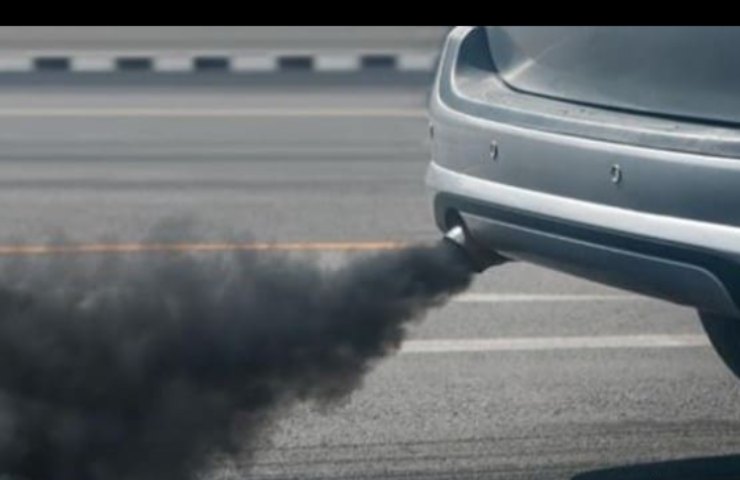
(659, 228)
(674, 272)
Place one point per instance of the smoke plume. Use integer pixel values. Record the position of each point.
(141, 366)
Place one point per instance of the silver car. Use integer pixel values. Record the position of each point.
(611, 153)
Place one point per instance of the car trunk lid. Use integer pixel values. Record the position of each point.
(685, 72)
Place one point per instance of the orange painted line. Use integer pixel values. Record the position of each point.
(11, 250)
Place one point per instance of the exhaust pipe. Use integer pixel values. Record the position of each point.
(477, 257)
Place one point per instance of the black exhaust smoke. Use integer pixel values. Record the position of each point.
(126, 367)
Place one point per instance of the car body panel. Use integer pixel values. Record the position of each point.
(670, 208)
(692, 72)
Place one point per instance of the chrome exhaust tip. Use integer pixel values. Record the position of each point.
(478, 257)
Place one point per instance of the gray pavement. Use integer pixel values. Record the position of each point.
(347, 164)
(201, 38)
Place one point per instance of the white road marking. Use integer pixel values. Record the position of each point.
(527, 297)
(221, 113)
(254, 63)
(15, 64)
(337, 63)
(80, 248)
(92, 63)
(240, 60)
(552, 343)
(417, 61)
(180, 63)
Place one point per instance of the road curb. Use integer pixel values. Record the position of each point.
(215, 62)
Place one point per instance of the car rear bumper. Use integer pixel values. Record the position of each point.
(645, 213)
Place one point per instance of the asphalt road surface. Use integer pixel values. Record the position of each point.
(532, 374)
(201, 38)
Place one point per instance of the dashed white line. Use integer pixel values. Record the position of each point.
(15, 64)
(182, 63)
(337, 63)
(254, 63)
(92, 64)
(419, 61)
